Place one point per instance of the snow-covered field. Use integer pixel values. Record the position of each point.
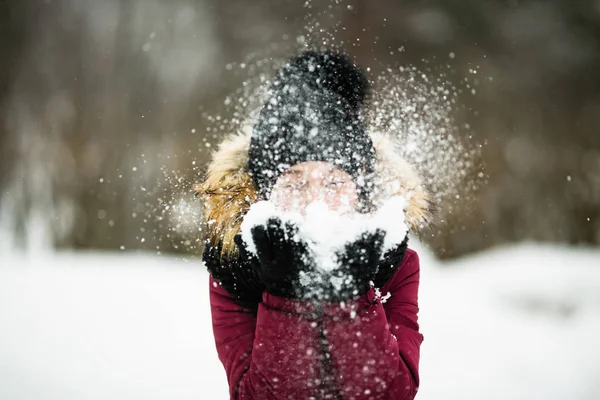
(512, 323)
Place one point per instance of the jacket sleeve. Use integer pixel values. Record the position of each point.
(268, 355)
(375, 346)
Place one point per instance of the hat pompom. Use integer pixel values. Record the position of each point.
(331, 71)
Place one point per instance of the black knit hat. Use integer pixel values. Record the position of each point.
(313, 114)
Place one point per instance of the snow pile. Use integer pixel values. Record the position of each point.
(519, 322)
(106, 326)
(511, 323)
(327, 231)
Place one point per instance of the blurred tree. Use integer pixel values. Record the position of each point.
(12, 37)
(108, 108)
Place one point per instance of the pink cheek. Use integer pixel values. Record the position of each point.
(281, 201)
(343, 202)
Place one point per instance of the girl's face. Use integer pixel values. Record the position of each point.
(312, 181)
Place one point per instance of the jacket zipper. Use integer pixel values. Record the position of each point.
(327, 378)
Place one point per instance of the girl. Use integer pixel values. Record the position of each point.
(284, 327)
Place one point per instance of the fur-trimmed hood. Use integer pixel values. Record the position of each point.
(228, 190)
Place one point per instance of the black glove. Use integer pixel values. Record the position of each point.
(390, 262)
(358, 265)
(282, 258)
(235, 274)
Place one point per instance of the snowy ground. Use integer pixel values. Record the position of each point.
(513, 323)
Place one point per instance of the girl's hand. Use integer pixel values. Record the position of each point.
(357, 266)
(281, 256)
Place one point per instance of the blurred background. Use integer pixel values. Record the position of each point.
(109, 111)
(105, 105)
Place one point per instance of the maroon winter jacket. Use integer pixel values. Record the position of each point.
(369, 346)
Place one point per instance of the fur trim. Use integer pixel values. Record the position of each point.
(228, 190)
(395, 176)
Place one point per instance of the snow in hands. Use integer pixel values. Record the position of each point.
(328, 232)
